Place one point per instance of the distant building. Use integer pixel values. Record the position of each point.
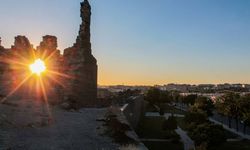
(176, 87)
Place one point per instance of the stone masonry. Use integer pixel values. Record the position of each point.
(81, 64)
(77, 65)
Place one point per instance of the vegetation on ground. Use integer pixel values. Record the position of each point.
(152, 128)
(169, 124)
(236, 145)
(156, 128)
(116, 129)
(163, 145)
(235, 107)
(204, 133)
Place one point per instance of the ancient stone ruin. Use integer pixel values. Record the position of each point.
(75, 70)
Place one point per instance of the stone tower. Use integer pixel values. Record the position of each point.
(81, 65)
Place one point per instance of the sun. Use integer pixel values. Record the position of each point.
(37, 67)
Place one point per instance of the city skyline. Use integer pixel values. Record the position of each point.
(145, 43)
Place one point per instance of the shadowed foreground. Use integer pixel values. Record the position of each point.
(26, 124)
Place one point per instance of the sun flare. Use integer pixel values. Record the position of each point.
(37, 67)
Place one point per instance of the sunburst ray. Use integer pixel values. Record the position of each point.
(16, 88)
(45, 97)
(55, 80)
(60, 74)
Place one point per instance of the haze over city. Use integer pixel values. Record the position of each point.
(145, 42)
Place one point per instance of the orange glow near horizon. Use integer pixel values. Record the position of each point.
(38, 67)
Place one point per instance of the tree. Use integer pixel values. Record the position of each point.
(127, 93)
(161, 111)
(246, 120)
(197, 117)
(174, 96)
(170, 124)
(153, 95)
(204, 104)
(190, 99)
(164, 97)
(208, 133)
(245, 110)
(229, 105)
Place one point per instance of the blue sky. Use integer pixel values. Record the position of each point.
(145, 41)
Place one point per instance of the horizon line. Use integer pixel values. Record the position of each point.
(171, 83)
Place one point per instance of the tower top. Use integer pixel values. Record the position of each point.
(85, 2)
(84, 33)
(85, 10)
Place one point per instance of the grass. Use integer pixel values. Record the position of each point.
(231, 135)
(182, 124)
(151, 127)
(238, 145)
(163, 145)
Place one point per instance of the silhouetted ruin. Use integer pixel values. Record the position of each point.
(80, 63)
(76, 69)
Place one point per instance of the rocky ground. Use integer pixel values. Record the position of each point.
(28, 124)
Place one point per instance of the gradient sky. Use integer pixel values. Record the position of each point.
(145, 42)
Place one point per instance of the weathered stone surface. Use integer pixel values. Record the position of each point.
(76, 69)
(5, 72)
(21, 43)
(30, 126)
(81, 64)
(22, 47)
(48, 47)
(47, 51)
(2, 49)
(0, 42)
(14, 62)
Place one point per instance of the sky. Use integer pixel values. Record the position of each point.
(145, 42)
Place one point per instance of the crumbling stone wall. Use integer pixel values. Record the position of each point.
(22, 48)
(4, 71)
(134, 110)
(76, 69)
(48, 47)
(81, 64)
